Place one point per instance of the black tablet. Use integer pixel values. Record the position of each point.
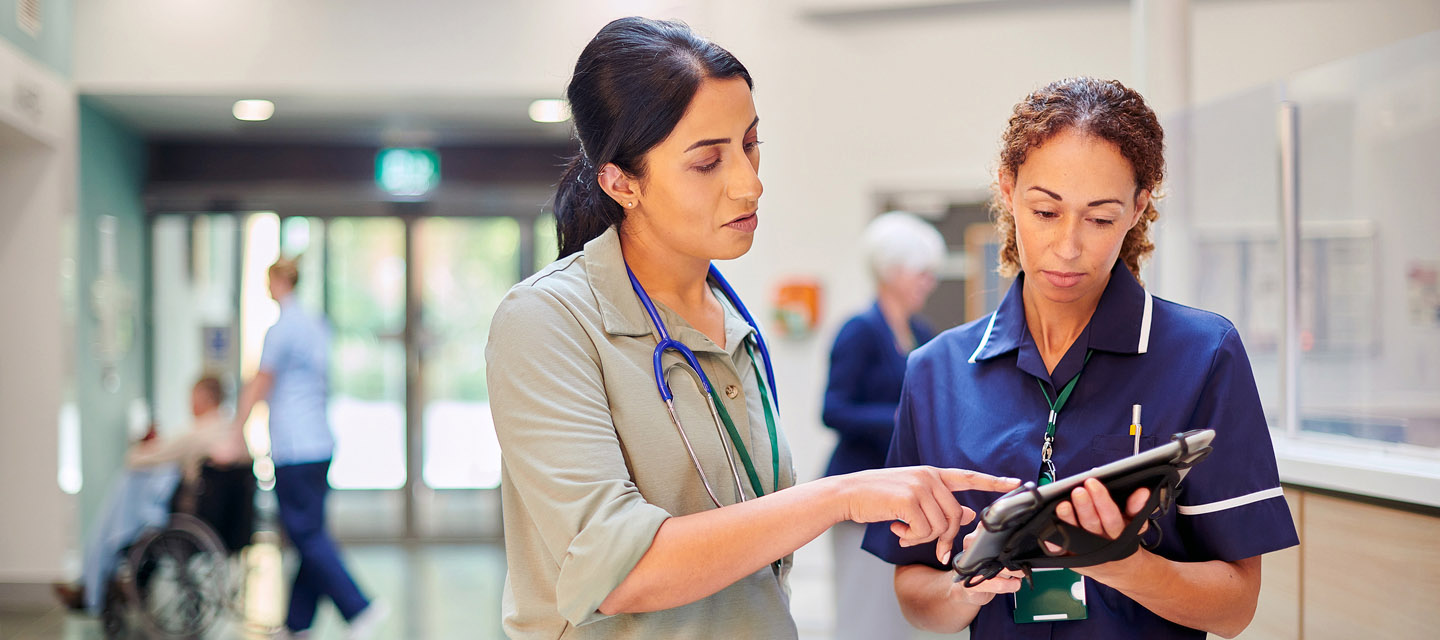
(1013, 526)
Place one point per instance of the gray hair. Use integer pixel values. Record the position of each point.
(899, 239)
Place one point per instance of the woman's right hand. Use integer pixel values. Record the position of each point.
(1006, 581)
(920, 499)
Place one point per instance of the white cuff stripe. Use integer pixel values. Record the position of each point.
(985, 340)
(1222, 505)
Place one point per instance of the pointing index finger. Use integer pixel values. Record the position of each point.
(967, 480)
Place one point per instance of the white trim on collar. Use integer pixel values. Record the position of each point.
(1145, 324)
(985, 340)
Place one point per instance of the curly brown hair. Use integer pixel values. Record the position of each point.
(1105, 109)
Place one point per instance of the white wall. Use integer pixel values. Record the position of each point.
(848, 106)
(37, 203)
(1240, 44)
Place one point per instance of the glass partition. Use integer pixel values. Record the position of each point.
(1369, 149)
(1367, 328)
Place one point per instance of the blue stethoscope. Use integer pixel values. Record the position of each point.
(723, 424)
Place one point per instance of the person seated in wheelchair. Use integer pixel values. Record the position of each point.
(205, 472)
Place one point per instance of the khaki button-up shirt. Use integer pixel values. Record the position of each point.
(592, 465)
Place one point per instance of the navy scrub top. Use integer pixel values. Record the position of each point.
(866, 372)
(971, 401)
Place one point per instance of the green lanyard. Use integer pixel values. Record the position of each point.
(1047, 468)
(769, 426)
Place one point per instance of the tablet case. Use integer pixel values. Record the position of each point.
(1012, 527)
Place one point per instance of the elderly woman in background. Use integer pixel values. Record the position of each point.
(867, 367)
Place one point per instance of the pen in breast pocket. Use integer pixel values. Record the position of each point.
(1135, 426)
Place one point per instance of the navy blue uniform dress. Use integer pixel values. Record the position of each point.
(971, 400)
(866, 372)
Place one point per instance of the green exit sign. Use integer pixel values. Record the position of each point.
(407, 172)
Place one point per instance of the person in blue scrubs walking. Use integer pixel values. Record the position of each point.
(294, 378)
(867, 366)
(1074, 197)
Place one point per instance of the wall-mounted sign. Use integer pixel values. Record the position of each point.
(407, 172)
(33, 99)
(797, 306)
(216, 349)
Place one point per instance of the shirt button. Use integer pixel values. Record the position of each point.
(732, 392)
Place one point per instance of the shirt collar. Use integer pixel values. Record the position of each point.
(622, 314)
(620, 309)
(736, 328)
(1121, 323)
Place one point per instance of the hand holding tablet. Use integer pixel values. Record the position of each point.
(1013, 527)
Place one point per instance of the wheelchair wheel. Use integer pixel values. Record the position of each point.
(179, 580)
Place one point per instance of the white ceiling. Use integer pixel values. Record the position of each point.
(391, 119)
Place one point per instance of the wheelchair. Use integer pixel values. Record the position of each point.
(173, 584)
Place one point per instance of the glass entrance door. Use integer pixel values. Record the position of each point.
(353, 272)
(363, 288)
(464, 266)
(409, 301)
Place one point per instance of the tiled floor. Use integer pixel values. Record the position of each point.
(433, 591)
(437, 591)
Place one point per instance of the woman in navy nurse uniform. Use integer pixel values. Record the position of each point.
(1080, 161)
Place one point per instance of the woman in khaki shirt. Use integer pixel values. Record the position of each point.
(610, 530)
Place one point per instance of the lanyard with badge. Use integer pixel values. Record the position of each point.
(1052, 595)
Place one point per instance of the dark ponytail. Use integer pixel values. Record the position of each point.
(583, 210)
(631, 86)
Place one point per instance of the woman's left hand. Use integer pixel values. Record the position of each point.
(1091, 508)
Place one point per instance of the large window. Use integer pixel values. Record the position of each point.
(1369, 147)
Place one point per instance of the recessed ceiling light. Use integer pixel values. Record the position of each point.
(549, 111)
(253, 110)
